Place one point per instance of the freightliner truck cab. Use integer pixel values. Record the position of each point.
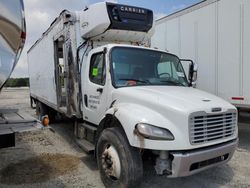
(129, 99)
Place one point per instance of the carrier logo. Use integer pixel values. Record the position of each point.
(132, 10)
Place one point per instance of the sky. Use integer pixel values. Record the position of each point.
(40, 14)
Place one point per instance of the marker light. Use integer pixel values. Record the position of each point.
(45, 121)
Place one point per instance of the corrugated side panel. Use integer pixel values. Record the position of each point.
(193, 36)
(172, 36)
(198, 43)
(228, 49)
(159, 39)
(246, 51)
(205, 46)
(217, 38)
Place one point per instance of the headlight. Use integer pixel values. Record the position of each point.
(153, 133)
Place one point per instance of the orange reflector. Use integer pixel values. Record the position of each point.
(238, 98)
(23, 35)
(45, 121)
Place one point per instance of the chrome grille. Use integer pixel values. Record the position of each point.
(205, 128)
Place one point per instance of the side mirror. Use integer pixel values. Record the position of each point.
(192, 72)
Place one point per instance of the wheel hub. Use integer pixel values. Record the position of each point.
(111, 162)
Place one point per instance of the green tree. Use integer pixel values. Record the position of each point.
(17, 82)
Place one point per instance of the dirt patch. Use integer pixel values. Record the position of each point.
(39, 169)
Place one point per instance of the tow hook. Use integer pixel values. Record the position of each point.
(163, 164)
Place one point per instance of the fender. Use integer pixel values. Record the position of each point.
(131, 114)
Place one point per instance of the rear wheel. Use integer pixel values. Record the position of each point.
(52, 115)
(41, 110)
(120, 164)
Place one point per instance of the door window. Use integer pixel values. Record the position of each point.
(97, 73)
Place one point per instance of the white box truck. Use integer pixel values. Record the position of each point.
(215, 34)
(96, 67)
(12, 38)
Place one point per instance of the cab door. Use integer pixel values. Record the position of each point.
(94, 88)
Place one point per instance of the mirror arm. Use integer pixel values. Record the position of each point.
(192, 72)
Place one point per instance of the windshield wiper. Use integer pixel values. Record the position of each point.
(173, 82)
(136, 80)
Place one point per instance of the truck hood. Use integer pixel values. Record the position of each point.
(182, 99)
(168, 107)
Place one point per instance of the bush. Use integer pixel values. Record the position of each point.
(17, 82)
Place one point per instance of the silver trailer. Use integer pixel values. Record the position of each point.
(215, 34)
(12, 39)
(12, 36)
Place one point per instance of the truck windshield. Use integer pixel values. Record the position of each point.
(135, 67)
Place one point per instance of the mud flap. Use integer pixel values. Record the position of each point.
(7, 140)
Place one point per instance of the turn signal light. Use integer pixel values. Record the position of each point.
(45, 120)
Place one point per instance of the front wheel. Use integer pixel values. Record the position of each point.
(120, 164)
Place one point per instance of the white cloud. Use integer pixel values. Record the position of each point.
(39, 15)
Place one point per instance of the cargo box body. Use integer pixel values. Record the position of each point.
(53, 69)
(56, 58)
(215, 34)
(42, 69)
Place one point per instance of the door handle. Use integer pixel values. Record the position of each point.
(100, 90)
(86, 100)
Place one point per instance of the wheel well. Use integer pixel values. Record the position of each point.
(108, 122)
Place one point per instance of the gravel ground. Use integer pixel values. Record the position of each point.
(53, 159)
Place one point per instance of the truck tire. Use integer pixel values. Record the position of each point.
(120, 165)
(41, 110)
(52, 115)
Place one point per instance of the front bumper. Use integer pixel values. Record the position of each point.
(191, 162)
